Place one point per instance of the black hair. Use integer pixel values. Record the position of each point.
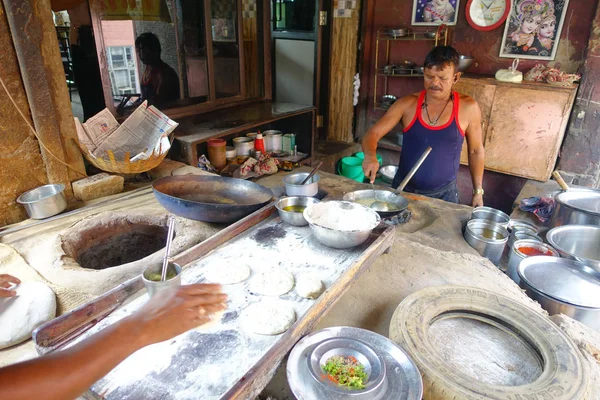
(442, 56)
(149, 40)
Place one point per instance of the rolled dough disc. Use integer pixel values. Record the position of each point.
(268, 317)
(34, 304)
(275, 282)
(308, 286)
(227, 274)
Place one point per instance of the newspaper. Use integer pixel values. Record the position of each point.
(145, 131)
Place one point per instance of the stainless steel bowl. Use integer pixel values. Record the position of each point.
(490, 214)
(341, 239)
(521, 233)
(388, 172)
(577, 207)
(292, 217)
(521, 223)
(516, 256)
(293, 187)
(396, 33)
(464, 62)
(488, 238)
(563, 286)
(577, 242)
(155, 286)
(44, 201)
(388, 98)
(430, 35)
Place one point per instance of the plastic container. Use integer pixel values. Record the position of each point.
(351, 166)
(217, 153)
(361, 155)
(259, 143)
(288, 143)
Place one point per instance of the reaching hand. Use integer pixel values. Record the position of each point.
(7, 281)
(477, 200)
(370, 167)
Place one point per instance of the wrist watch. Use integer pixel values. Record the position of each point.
(478, 191)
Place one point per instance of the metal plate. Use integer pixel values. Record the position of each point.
(568, 281)
(402, 378)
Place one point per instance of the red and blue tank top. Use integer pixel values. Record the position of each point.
(441, 166)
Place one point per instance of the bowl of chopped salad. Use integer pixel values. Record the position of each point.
(348, 366)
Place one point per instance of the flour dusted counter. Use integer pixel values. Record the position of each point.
(523, 124)
(227, 361)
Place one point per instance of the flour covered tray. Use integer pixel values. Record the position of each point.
(230, 360)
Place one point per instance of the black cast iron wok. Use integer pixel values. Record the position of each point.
(210, 198)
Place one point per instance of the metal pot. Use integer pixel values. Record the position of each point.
(488, 238)
(563, 286)
(577, 207)
(293, 185)
(577, 242)
(388, 172)
(491, 214)
(522, 233)
(521, 223)
(293, 217)
(243, 145)
(44, 201)
(515, 256)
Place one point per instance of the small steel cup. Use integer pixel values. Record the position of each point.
(155, 287)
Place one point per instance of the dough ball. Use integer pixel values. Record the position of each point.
(308, 286)
(34, 304)
(227, 274)
(214, 321)
(274, 282)
(268, 317)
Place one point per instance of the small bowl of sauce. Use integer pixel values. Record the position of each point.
(291, 209)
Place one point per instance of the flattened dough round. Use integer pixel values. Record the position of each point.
(268, 317)
(34, 304)
(275, 282)
(227, 274)
(308, 286)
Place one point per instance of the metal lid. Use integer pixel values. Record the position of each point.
(565, 280)
(586, 200)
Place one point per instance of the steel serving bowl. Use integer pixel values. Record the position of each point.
(563, 286)
(516, 256)
(464, 62)
(577, 242)
(293, 217)
(388, 172)
(341, 239)
(488, 238)
(293, 187)
(577, 207)
(520, 233)
(491, 214)
(154, 286)
(44, 201)
(388, 98)
(396, 33)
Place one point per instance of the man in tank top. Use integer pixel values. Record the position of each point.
(438, 117)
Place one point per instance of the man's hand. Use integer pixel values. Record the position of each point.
(7, 281)
(188, 307)
(370, 167)
(477, 200)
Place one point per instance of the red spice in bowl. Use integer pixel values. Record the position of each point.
(532, 251)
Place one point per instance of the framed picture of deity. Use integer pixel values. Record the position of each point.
(435, 12)
(533, 29)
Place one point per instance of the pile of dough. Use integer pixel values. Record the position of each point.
(268, 317)
(308, 286)
(34, 304)
(275, 282)
(227, 274)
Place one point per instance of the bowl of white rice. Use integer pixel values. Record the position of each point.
(341, 224)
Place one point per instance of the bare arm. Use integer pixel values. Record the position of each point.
(369, 143)
(68, 373)
(476, 152)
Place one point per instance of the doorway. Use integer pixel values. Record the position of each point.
(300, 52)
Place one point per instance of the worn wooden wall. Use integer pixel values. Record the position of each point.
(344, 50)
(253, 70)
(21, 165)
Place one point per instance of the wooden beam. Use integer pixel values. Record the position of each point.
(36, 46)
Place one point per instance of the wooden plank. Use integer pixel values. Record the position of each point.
(344, 50)
(257, 378)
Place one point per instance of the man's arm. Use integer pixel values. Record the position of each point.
(369, 142)
(68, 373)
(476, 152)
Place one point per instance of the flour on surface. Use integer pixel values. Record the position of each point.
(268, 317)
(227, 274)
(342, 216)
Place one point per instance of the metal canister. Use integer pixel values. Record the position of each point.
(154, 285)
(515, 256)
(487, 237)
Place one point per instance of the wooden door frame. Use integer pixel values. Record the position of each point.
(365, 63)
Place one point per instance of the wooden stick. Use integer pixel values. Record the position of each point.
(559, 179)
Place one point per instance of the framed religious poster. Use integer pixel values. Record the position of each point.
(435, 12)
(533, 29)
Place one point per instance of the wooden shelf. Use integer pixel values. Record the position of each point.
(412, 37)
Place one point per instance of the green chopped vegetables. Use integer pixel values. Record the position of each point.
(345, 371)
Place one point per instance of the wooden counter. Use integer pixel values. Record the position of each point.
(523, 124)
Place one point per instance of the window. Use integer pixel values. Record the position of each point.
(122, 70)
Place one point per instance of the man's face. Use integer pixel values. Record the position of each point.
(439, 81)
(147, 54)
